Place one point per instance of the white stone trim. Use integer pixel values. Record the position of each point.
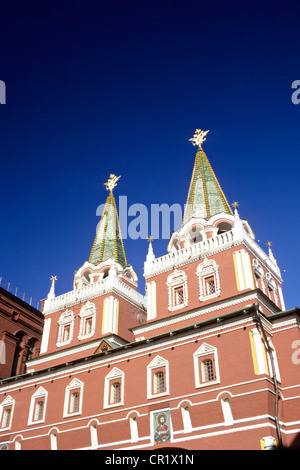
(204, 270)
(113, 375)
(157, 363)
(203, 351)
(40, 393)
(8, 402)
(73, 385)
(175, 280)
(88, 310)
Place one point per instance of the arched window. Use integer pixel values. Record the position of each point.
(186, 418)
(226, 408)
(223, 227)
(133, 429)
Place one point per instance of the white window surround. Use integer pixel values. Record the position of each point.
(208, 268)
(175, 280)
(87, 311)
(157, 363)
(66, 319)
(74, 385)
(204, 351)
(114, 375)
(9, 402)
(40, 394)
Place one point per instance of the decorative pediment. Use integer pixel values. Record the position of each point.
(204, 350)
(157, 362)
(8, 401)
(115, 373)
(41, 392)
(75, 383)
(66, 317)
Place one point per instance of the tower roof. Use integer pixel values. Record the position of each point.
(205, 196)
(108, 242)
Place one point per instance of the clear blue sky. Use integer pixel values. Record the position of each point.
(96, 87)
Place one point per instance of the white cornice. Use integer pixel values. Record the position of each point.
(248, 297)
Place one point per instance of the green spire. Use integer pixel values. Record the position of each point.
(108, 242)
(205, 196)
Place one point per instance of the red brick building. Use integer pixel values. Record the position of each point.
(21, 329)
(208, 359)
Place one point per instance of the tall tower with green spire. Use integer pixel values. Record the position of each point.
(205, 195)
(108, 243)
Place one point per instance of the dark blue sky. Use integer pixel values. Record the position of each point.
(95, 88)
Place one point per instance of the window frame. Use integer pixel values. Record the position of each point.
(158, 364)
(207, 270)
(205, 352)
(87, 312)
(177, 280)
(66, 320)
(40, 395)
(75, 386)
(115, 376)
(7, 404)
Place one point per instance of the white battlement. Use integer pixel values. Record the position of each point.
(95, 289)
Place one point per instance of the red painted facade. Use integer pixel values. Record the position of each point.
(209, 359)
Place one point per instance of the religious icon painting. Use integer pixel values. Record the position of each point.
(161, 426)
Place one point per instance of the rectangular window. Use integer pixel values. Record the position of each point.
(88, 325)
(115, 392)
(66, 333)
(207, 370)
(210, 286)
(6, 418)
(159, 382)
(179, 297)
(39, 409)
(74, 402)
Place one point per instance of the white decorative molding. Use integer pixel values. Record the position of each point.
(204, 270)
(175, 280)
(157, 363)
(74, 385)
(8, 403)
(114, 375)
(87, 311)
(248, 297)
(209, 247)
(205, 350)
(66, 319)
(91, 291)
(41, 394)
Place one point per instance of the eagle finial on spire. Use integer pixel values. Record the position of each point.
(112, 182)
(199, 137)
